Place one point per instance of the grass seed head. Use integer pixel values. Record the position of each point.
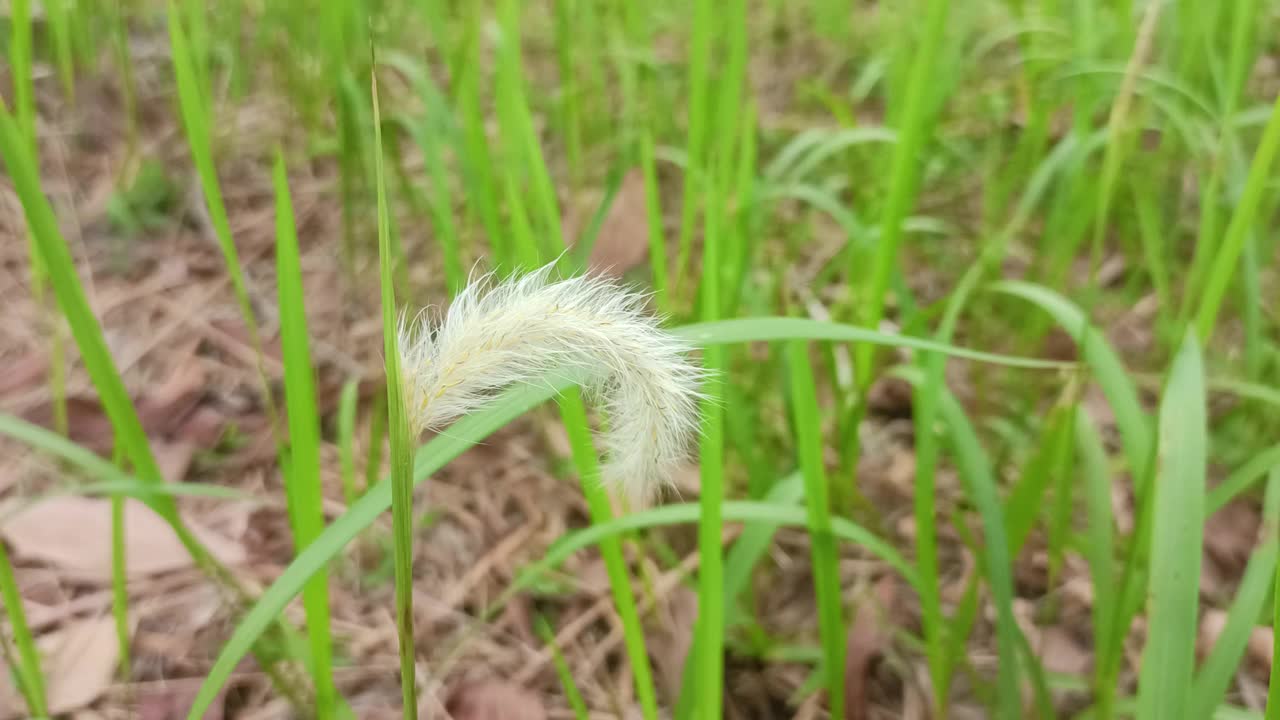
(531, 328)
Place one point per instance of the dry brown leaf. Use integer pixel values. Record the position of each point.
(171, 410)
(494, 700)
(868, 637)
(78, 663)
(1230, 536)
(623, 242)
(1261, 639)
(73, 534)
(172, 702)
(174, 459)
(23, 372)
(1059, 652)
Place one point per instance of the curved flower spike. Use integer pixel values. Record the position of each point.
(526, 328)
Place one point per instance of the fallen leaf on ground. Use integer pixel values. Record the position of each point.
(623, 241)
(1261, 643)
(172, 702)
(23, 372)
(1229, 538)
(78, 663)
(174, 459)
(868, 637)
(494, 700)
(172, 411)
(73, 534)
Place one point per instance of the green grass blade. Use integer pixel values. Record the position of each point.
(771, 514)
(913, 128)
(402, 481)
(24, 104)
(90, 464)
(753, 543)
(1131, 420)
(1219, 669)
(571, 693)
(120, 585)
(195, 109)
(709, 629)
(27, 670)
(56, 12)
(700, 47)
(653, 209)
(482, 187)
(302, 476)
(1242, 479)
(1026, 499)
(1100, 550)
(757, 329)
(574, 413)
(1228, 255)
(826, 568)
(979, 480)
(1176, 542)
(347, 438)
(1273, 687)
(739, 564)
(377, 430)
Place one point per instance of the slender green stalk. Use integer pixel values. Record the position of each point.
(913, 127)
(826, 567)
(128, 87)
(566, 30)
(1273, 687)
(56, 12)
(346, 438)
(120, 585)
(196, 116)
(520, 140)
(1118, 136)
(710, 626)
(1243, 27)
(924, 495)
(574, 414)
(432, 138)
(571, 693)
(27, 670)
(699, 122)
(24, 104)
(1228, 255)
(303, 488)
(377, 429)
(1101, 551)
(653, 210)
(975, 471)
(482, 187)
(398, 429)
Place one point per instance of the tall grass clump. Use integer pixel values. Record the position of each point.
(303, 489)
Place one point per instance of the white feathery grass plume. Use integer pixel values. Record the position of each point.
(530, 327)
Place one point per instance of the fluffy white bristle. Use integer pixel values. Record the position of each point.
(498, 334)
